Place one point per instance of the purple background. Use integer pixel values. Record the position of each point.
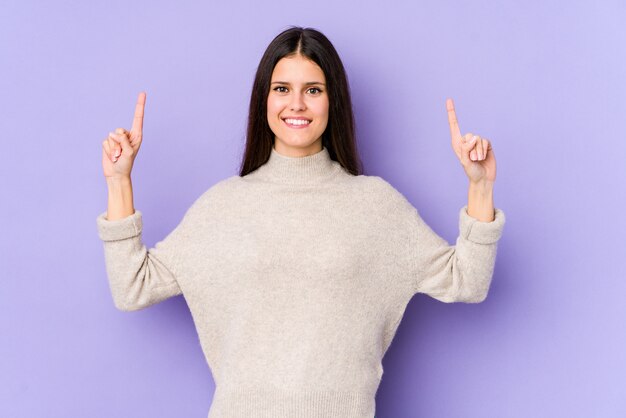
(543, 80)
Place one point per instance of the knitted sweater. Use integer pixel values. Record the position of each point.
(297, 276)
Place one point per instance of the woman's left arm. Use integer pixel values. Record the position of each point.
(480, 202)
(463, 272)
(479, 162)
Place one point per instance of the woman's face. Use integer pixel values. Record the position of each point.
(297, 106)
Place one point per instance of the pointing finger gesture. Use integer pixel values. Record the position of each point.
(121, 146)
(475, 153)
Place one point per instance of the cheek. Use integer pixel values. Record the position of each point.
(273, 116)
(323, 111)
(271, 109)
(274, 107)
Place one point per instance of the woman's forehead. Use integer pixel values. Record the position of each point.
(290, 69)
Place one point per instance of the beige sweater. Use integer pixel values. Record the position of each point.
(297, 276)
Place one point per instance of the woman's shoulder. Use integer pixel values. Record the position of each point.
(226, 185)
(377, 187)
(216, 192)
(378, 194)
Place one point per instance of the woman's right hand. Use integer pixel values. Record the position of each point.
(120, 148)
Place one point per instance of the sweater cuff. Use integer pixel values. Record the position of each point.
(478, 231)
(118, 229)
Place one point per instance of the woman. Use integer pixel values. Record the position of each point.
(298, 270)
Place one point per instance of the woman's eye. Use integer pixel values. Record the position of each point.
(279, 89)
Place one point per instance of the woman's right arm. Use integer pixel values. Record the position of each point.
(138, 277)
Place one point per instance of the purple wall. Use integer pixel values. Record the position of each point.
(543, 80)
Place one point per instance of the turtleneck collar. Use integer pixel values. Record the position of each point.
(311, 169)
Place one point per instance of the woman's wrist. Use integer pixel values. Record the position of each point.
(114, 181)
(480, 201)
(482, 185)
(120, 198)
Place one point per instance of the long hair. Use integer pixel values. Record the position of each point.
(339, 136)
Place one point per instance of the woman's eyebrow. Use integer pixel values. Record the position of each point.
(306, 84)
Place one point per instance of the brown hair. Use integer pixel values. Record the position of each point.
(339, 136)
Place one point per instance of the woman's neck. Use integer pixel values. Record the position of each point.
(311, 169)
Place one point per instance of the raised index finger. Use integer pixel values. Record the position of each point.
(138, 119)
(455, 132)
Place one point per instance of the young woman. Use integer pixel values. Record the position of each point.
(297, 271)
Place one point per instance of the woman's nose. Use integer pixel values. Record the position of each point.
(297, 103)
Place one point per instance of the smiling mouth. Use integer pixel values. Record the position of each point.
(297, 123)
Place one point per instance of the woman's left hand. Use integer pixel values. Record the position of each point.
(475, 153)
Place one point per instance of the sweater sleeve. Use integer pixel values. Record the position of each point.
(462, 272)
(448, 273)
(140, 277)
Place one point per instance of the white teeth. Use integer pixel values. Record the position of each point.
(297, 121)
